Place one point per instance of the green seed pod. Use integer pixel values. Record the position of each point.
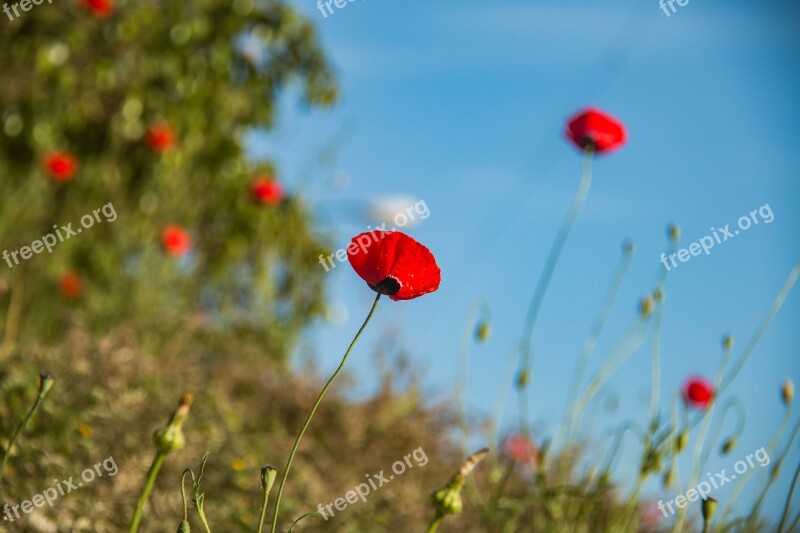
(183, 527)
(729, 445)
(681, 441)
(483, 331)
(646, 307)
(787, 392)
(709, 508)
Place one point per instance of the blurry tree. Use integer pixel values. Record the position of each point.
(153, 99)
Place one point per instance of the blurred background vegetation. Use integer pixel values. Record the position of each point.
(126, 327)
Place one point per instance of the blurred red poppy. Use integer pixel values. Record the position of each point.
(175, 240)
(100, 8)
(522, 450)
(61, 166)
(394, 264)
(698, 392)
(592, 128)
(70, 285)
(160, 137)
(266, 190)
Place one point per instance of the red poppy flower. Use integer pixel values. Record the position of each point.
(70, 285)
(175, 240)
(266, 190)
(522, 450)
(100, 8)
(61, 166)
(593, 128)
(160, 137)
(698, 392)
(394, 264)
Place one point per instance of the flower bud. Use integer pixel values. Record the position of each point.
(482, 331)
(447, 500)
(645, 307)
(268, 474)
(681, 441)
(658, 295)
(674, 233)
(709, 508)
(46, 380)
(787, 392)
(522, 378)
(628, 247)
(727, 342)
(170, 438)
(729, 445)
(183, 527)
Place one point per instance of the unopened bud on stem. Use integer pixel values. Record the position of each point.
(170, 438)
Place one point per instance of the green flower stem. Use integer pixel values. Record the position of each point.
(591, 339)
(463, 364)
(434, 525)
(742, 481)
(152, 474)
(45, 383)
(773, 476)
(787, 287)
(313, 410)
(776, 305)
(544, 281)
(789, 499)
(624, 349)
(697, 457)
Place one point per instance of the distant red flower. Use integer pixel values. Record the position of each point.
(522, 450)
(650, 514)
(160, 137)
(698, 392)
(61, 166)
(70, 285)
(592, 127)
(100, 8)
(266, 190)
(175, 240)
(394, 264)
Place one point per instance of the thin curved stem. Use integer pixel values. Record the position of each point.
(776, 305)
(434, 525)
(789, 499)
(772, 478)
(547, 274)
(594, 333)
(43, 390)
(631, 341)
(314, 410)
(152, 474)
(708, 415)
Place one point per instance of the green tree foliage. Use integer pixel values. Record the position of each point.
(92, 86)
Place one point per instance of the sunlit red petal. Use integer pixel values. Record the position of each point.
(394, 264)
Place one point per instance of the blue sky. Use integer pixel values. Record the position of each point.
(462, 104)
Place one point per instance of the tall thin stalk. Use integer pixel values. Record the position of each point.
(526, 355)
(45, 383)
(314, 410)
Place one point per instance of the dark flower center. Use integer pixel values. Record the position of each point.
(389, 286)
